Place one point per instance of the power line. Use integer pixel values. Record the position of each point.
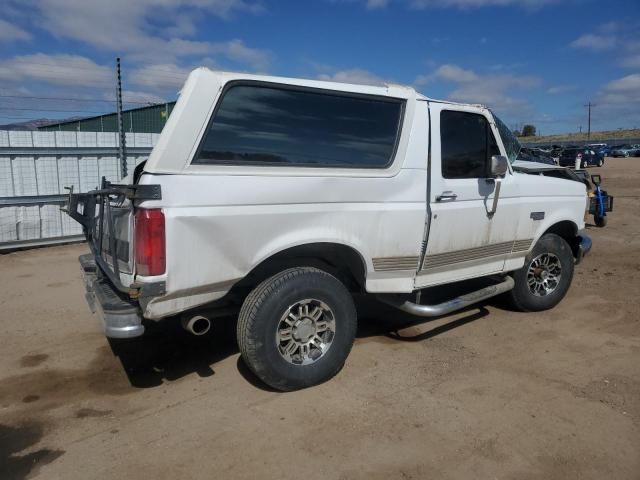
(157, 66)
(62, 70)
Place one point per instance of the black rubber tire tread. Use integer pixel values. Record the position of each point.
(250, 322)
(521, 297)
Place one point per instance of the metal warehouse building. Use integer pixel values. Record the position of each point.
(149, 119)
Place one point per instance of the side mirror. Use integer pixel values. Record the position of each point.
(499, 166)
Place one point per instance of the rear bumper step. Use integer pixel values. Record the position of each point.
(120, 318)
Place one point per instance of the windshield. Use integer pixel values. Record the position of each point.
(511, 144)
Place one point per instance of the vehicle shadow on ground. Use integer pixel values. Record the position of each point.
(169, 353)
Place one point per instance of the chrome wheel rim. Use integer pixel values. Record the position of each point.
(543, 276)
(305, 332)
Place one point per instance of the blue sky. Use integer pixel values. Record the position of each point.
(532, 61)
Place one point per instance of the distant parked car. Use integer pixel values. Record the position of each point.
(585, 157)
(601, 149)
(626, 151)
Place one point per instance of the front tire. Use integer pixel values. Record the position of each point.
(296, 329)
(546, 276)
(600, 162)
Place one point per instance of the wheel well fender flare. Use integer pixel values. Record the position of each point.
(339, 259)
(566, 229)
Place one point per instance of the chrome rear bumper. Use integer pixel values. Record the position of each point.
(120, 318)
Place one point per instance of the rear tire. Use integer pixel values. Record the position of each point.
(296, 329)
(546, 276)
(600, 162)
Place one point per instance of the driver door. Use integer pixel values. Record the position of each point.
(465, 239)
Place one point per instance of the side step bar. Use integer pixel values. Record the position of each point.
(452, 305)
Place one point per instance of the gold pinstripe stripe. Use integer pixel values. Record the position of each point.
(383, 264)
(476, 253)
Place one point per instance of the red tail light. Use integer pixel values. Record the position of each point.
(149, 241)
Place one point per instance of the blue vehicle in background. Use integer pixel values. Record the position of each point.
(602, 149)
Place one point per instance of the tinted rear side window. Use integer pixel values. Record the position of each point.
(467, 144)
(266, 125)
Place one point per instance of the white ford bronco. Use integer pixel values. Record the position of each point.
(282, 197)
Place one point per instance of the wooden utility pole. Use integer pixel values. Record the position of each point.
(589, 105)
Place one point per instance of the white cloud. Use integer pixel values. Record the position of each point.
(557, 89)
(145, 29)
(354, 75)
(490, 89)
(159, 76)
(625, 86)
(11, 33)
(374, 4)
(448, 72)
(459, 4)
(618, 102)
(163, 76)
(612, 35)
(631, 57)
(470, 4)
(237, 51)
(631, 61)
(594, 42)
(61, 69)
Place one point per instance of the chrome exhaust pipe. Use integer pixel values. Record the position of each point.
(196, 324)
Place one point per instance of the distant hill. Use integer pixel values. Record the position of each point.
(595, 136)
(33, 124)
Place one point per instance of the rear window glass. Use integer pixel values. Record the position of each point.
(268, 125)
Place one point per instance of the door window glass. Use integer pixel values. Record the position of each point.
(467, 144)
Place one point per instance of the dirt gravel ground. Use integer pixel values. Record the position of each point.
(486, 393)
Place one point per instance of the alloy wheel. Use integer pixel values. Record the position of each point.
(305, 332)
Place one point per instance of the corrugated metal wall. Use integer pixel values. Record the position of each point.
(146, 120)
(35, 168)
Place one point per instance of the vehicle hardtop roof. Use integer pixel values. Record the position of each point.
(385, 89)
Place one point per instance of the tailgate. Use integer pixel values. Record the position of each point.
(106, 216)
